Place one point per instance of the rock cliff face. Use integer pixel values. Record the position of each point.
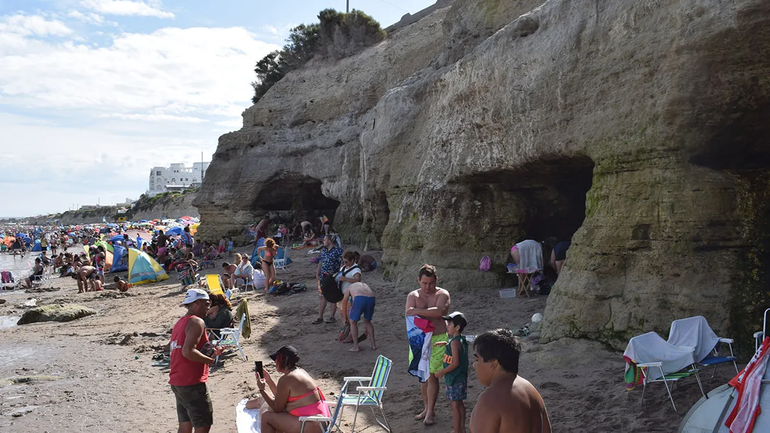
(637, 129)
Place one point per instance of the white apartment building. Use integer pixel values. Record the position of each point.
(176, 177)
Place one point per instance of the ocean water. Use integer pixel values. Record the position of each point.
(22, 266)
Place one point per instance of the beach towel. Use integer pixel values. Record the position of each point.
(651, 347)
(419, 331)
(243, 308)
(693, 332)
(531, 257)
(748, 383)
(246, 420)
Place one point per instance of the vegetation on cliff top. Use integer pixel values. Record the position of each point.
(338, 35)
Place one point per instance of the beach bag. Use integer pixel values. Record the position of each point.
(330, 290)
(344, 333)
(485, 264)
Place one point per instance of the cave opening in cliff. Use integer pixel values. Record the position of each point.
(297, 197)
(544, 201)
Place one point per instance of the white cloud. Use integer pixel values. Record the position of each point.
(126, 7)
(32, 25)
(157, 118)
(88, 17)
(170, 72)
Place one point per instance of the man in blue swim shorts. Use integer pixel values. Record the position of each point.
(363, 303)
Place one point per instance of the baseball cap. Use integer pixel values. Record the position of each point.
(286, 351)
(457, 318)
(194, 295)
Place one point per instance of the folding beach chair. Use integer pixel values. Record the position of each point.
(7, 281)
(661, 361)
(327, 424)
(695, 332)
(367, 395)
(281, 258)
(214, 283)
(230, 337)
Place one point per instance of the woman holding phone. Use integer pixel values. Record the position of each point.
(296, 394)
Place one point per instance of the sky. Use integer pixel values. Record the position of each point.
(94, 93)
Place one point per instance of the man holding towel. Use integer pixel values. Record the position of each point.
(431, 303)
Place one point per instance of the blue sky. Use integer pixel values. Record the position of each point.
(94, 93)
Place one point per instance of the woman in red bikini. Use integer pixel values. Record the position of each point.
(267, 262)
(296, 394)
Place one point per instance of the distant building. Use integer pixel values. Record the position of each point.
(176, 177)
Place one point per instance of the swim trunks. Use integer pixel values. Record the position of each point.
(436, 354)
(362, 304)
(458, 391)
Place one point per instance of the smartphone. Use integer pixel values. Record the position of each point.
(258, 367)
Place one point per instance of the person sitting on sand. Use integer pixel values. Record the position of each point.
(362, 303)
(219, 314)
(121, 284)
(296, 394)
(37, 273)
(509, 404)
(229, 270)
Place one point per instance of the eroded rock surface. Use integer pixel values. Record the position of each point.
(55, 313)
(637, 129)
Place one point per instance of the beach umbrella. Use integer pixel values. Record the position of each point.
(116, 238)
(175, 231)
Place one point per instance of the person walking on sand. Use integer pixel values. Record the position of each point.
(432, 303)
(191, 355)
(363, 303)
(509, 404)
(455, 371)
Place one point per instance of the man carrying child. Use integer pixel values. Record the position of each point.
(455, 371)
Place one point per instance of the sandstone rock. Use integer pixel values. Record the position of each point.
(636, 129)
(55, 313)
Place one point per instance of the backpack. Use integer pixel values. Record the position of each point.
(344, 273)
(485, 264)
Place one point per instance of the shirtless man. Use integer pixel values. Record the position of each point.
(363, 301)
(262, 227)
(509, 404)
(432, 303)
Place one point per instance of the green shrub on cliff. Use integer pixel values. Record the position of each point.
(338, 35)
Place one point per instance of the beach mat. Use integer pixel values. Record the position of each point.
(246, 420)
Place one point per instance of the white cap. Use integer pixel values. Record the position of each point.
(194, 295)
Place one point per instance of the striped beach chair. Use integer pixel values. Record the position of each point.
(368, 393)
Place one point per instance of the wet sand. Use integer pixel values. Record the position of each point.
(96, 374)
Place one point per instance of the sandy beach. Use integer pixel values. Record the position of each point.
(96, 374)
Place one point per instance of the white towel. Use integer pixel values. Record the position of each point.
(246, 420)
(651, 347)
(693, 332)
(531, 256)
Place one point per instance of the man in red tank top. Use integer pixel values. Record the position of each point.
(191, 355)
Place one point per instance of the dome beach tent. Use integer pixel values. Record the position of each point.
(143, 269)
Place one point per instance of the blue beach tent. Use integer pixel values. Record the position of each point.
(119, 259)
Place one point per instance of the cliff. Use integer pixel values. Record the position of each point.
(637, 129)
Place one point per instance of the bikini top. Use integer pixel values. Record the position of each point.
(321, 394)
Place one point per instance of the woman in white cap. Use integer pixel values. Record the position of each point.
(296, 394)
